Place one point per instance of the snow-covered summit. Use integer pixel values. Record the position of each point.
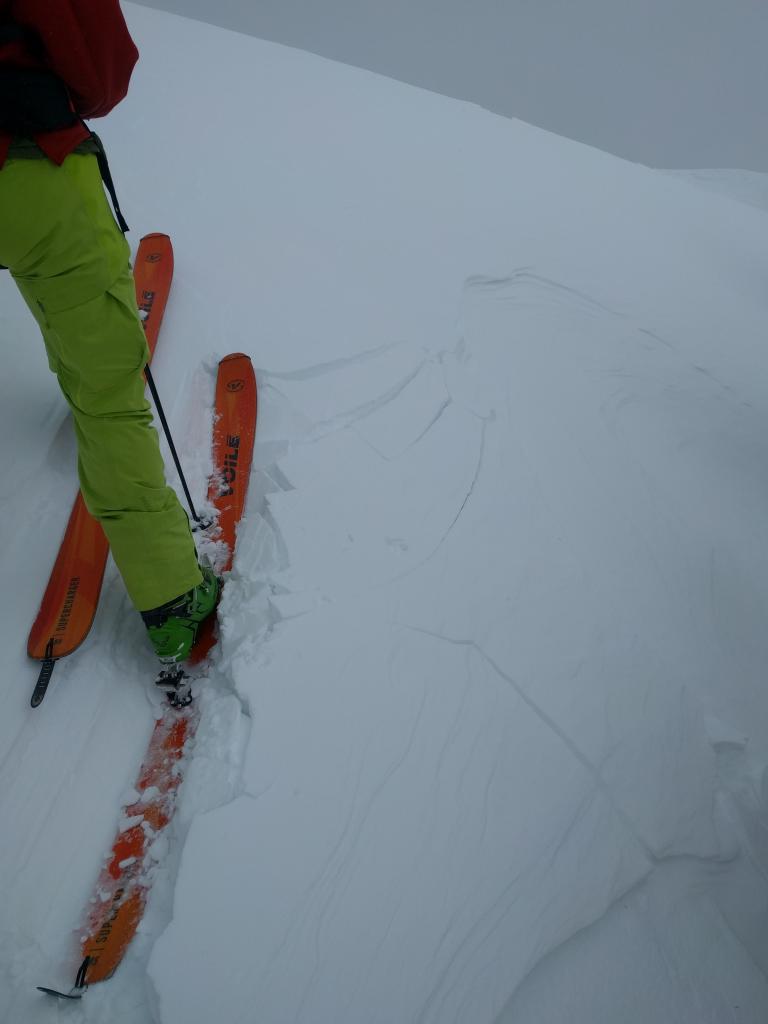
(486, 735)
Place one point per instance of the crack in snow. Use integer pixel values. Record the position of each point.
(547, 720)
(345, 420)
(424, 561)
(321, 369)
(525, 276)
(411, 444)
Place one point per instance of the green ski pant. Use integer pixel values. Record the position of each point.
(70, 261)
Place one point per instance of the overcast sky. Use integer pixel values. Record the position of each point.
(670, 83)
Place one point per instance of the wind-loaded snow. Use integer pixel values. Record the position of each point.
(485, 736)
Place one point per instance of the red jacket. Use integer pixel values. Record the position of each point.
(87, 44)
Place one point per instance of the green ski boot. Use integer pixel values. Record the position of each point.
(172, 627)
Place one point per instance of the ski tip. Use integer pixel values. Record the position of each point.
(60, 995)
(234, 355)
(155, 234)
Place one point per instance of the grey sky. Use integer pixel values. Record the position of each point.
(671, 83)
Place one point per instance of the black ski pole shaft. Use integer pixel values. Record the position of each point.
(171, 445)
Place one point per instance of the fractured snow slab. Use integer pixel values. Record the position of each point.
(401, 823)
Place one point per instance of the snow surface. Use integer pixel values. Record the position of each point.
(747, 186)
(486, 736)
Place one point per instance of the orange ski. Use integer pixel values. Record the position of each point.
(123, 886)
(234, 430)
(124, 882)
(69, 604)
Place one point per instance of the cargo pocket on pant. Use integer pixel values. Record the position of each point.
(101, 348)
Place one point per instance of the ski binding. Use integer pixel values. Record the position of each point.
(177, 684)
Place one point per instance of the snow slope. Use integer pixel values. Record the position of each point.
(746, 186)
(486, 736)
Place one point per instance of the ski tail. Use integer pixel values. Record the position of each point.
(123, 885)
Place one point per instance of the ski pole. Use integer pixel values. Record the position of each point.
(166, 429)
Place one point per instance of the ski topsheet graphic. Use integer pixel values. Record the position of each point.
(72, 595)
(123, 886)
(234, 430)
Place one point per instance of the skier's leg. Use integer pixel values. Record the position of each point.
(70, 262)
(121, 470)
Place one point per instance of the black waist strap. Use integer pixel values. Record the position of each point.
(106, 177)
